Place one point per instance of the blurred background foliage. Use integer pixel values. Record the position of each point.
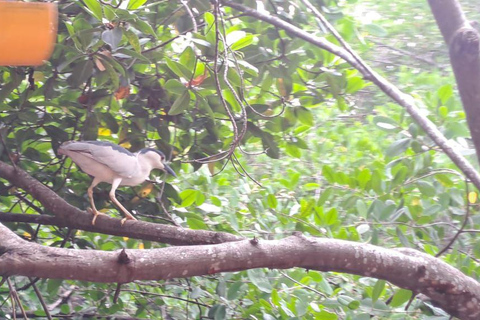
(296, 141)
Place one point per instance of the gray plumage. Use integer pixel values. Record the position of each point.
(111, 163)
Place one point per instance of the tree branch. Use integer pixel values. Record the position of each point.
(463, 43)
(407, 268)
(405, 100)
(67, 215)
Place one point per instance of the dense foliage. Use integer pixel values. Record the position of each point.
(268, 135)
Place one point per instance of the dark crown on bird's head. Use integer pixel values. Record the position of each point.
(160, 153)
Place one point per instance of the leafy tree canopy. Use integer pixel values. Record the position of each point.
(268, 135)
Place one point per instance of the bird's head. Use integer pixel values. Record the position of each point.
(156, 159)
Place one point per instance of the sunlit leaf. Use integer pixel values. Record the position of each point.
(135, 4)
(180, 104)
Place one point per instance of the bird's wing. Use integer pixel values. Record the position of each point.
(117, 158)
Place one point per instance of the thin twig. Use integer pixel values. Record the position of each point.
(302, 285)
(42, 301)
(190, 13)
(15, 297)
(467, 216)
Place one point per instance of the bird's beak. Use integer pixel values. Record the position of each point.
(169, 170)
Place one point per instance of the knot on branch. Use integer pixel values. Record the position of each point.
(123, 257)
(465, 44)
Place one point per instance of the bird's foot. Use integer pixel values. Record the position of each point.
(95, 213)
(128, 218)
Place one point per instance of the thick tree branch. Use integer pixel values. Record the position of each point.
(405, 100)
(67, 215)
(464, 48)
(406, 268)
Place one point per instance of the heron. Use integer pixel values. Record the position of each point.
(113, 164)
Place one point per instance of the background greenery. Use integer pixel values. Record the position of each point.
(333, 158)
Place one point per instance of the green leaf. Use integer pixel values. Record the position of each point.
(445, 92)
(386, 124)
(272, 201)
(110, 121)
(325, 315)
(187, 58)
(243, 42)
(90, 127)
(376, 30)
(378, 289)
(304, 115)
(95, 8)
(196, 224)
(426, 188)
(112, 37)
(234, 290)
(364, 177)
(354, 84)
(109, 13)
(81, 72)
(133, 54)
(56, 133)
(209, 19)
(275, 297)
(133, 40)
(175, 86)
(180, 104)
(135, 4)
(258, 278)
(188, 196)
(178, 69)
(398, 147)
(331, 217)
(68, 62)
(112, 74)
(292, 150)
(328, 173)
(270, 146)
(217, 312)
(116, 65)
(143, 26)
(400, 297)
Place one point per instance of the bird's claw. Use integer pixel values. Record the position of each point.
(128, 218)
(95, 213)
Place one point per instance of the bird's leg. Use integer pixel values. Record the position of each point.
(128, 215)
(93, 209)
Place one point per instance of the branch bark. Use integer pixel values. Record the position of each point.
(405, 100)
(446, 286)
(464, 48)
(67, 215)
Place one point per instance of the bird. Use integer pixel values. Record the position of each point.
(111, 163)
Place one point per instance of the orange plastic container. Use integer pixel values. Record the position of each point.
(27, 32)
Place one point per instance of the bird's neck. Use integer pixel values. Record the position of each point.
(144, 167)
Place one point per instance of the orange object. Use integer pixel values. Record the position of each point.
(27, 32)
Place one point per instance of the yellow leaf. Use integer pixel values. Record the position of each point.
(146, 190)
(211, 167)
(126, 145)
(38, 76)
(141, 246)
(99, 64)
(27, 235)
(125, 238)
(472, 197)
(104, 132)
(415, 201)
(281, 87)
